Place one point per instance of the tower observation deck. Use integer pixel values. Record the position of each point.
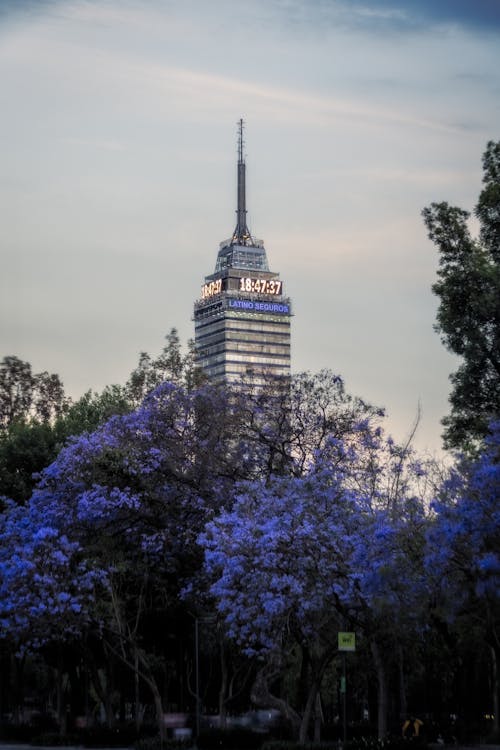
(242, 318)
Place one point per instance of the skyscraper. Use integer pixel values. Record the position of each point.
(242, 319)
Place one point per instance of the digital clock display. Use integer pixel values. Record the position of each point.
(260, 286)
(211, 288)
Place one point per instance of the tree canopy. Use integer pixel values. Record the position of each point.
(25, 395)
(280, 516)
(468, 317)
(37, 418)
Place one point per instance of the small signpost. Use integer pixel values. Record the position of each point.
(346, 642)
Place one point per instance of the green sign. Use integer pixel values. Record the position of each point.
(347, 641)
(342, 685)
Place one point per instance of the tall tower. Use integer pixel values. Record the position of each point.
(242, 319)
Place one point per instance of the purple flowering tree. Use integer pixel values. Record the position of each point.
(298, 558)
(290, 424)
(108, 538)
(463, 549)
(325, 518)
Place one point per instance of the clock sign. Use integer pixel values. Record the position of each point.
(260, 286)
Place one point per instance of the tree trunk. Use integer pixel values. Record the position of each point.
(101, 683)
(158, 709)
(403, 707)
(150, 681)
(261, 696)
(17, 665)
(137, 708)
(382, 698)
(307, 715)
(61, 703)
(494, 689)
(223, 685)
(318, 718)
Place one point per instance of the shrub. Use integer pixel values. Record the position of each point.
(155, 743)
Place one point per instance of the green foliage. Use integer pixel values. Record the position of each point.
(156, 743)
(359, 743)
(468, 317)
(36, 418)
(25, 395)
(171, 365)
(25, 449)
(28, 446)
(92, 410)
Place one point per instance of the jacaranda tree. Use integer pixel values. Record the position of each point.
(295, 559)
(463, 550)
(109, 536)
(311, 521)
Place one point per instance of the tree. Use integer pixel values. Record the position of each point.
(463, 552)
(120, 509)
(291, 421)
(25, 449)
(37, 419)
(297, 558)
(468, 317)
(29, 446)
(25, 395)
(321, 512)
(30, 404)
(91, 410)
(171, 365)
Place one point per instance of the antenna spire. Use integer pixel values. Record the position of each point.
(241, 234)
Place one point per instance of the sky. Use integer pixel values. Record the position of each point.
(118, 177)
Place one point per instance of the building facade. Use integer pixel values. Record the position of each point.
(242, 318)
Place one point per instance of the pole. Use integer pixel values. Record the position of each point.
(345, 704)
(197, 676)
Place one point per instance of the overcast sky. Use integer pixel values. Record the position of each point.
(118, 176)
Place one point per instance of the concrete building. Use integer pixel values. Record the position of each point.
(242, 318)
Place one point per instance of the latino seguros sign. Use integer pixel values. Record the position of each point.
(255, 306)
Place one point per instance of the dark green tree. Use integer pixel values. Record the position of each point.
(36, 418)
(170, 365)
(468, 317)
(30, 404)
(28, 446)
(25, 395)
(92, 410)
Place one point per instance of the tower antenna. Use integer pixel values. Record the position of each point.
(241, 235)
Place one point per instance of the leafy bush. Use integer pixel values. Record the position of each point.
(359, 743)
(155, 743)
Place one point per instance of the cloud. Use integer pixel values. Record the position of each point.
(481, 15)
(118, 181)
(404, 16)
(207, 90)
(16, 8)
